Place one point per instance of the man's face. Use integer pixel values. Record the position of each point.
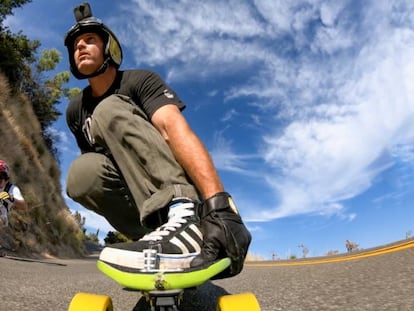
(3, 182)
(88, 53)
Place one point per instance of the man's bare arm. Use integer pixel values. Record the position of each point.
(188, 149)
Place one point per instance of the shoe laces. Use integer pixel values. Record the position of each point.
(177, 216)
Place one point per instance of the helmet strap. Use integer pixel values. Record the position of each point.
(101, 69)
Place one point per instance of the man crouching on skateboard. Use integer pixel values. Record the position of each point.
(141, 166)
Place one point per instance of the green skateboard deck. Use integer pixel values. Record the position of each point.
(163, 291)
(163, 280)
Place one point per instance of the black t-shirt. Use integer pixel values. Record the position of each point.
(144, 87)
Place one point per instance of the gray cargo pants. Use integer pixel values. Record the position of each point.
(138, 179)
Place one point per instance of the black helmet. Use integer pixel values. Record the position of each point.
(85, 22)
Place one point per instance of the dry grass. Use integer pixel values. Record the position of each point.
(48, 226)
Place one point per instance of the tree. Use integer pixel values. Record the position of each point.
(114, 237)
(93, 237)
(16, 50)
(80, 220)
(332, 253)
(351, 246)
(45, 94)
(305, 250)
(25, 72)
(6, 8)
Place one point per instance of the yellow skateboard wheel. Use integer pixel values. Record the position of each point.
(90, 302)
(238, 302)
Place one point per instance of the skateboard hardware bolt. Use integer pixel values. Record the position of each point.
(160, 282)
(150, 259)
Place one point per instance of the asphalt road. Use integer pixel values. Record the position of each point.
(383, 282)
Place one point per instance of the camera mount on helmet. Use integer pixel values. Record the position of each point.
(82, 11)
(85, 23)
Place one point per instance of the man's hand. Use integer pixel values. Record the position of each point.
(5, 196)
(224, 234)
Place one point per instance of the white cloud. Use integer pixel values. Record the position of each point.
(327, 160)
(339, 75)
(229, 115)
(405, 152)
(60, 135)
(227, 160)
(209, 37)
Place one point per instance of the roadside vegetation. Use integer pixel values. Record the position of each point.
(29, 95)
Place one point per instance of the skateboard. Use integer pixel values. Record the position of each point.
(163, 291)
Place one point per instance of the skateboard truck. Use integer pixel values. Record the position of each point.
(164, 300)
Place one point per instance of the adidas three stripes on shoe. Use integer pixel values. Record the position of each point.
(171, 247)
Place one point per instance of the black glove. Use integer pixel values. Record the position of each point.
(224, 234)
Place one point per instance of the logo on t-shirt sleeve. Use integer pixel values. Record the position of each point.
(168, 94)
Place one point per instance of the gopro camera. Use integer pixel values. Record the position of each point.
(82, 11)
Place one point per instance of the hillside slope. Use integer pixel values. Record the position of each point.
(48, 227)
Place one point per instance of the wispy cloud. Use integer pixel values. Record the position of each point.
(227, 160)
(337, 76)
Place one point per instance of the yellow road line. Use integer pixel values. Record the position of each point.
(375, 252)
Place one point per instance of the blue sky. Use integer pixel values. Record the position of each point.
(307, 107)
